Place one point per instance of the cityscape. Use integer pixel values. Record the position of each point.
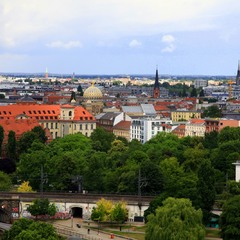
(119, 121)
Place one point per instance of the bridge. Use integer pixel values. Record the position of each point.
(13, 205)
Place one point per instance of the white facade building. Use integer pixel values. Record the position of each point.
(143, 129)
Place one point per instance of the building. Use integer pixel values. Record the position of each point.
(122, 129)
(156, 88)
(238, 75)
(61, 120)
(183, 115)
(19, 126)
(140, 110)
(143, 129)
(110, 119)
(217, 124)
(195, 127)
(93, 101)
(179, 130)
(200, 83)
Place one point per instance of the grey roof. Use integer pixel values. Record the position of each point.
(109, 115)
(148, 109)
(132, 109)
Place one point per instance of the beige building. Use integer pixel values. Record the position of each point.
(195, 127)
(179, 115)
(122, 129)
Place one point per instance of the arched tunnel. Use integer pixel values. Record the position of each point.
(77, 212)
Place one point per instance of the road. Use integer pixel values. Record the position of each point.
(69, 228)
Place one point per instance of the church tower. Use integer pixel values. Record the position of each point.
(156, 89)
(46, 74)
(238, 75)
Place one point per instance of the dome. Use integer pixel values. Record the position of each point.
(92, 92)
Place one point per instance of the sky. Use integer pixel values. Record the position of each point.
(179, 37)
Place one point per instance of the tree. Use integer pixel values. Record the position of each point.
(212, 112)
(80, 90)
(41, 134)
(5, 182)
(176, 219)
(101, 139)
(11, 150)
(206, 189)
(230, 219)
(119, 212)
(103, 210)
(73, 96)
(25, 187)
(42, 207)
(31, 230)
(26, 141)
(193, 92)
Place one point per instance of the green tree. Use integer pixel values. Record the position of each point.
(42, 207)
(41, 134)
(25, 141)
(101, 139)
(176, 219)
(230, 219)
(212, 112)
(11, 148)
(73, 96)
(80, 90)
(193, 92)
(206, 189)
(28, 229)
(119, 212)
(5, 182)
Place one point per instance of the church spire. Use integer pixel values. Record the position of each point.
(156, 88)
(238, 74)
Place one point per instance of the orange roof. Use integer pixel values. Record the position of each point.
(19, 126)
(42, 111)
(161, 108)
(196, 121)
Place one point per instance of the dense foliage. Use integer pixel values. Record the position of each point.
(230, 219)
(107, 211)
(176, 219)
(166, 166)
(30, 230)
(42, 207)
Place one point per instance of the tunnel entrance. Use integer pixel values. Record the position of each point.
(77, 212)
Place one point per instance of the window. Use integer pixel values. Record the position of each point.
(86, 126)
(51, 125)
(44, 112)
(56, 125)
(80, 126)
(91, 126)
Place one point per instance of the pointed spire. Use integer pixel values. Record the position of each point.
(156, 88)
(156, 84)
(238, 74)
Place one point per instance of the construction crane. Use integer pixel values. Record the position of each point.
(230, 83)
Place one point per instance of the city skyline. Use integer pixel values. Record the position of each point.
(183, 37)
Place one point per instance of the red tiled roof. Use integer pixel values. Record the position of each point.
(42, 112)
(19, 126)
(197, 121)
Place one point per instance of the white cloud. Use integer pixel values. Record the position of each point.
(169, 48)
(30, 20)
(66, 45)
(169, 41)
(135, 43)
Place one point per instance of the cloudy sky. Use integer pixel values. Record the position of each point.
(120, 36)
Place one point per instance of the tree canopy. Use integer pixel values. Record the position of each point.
(176, 219)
